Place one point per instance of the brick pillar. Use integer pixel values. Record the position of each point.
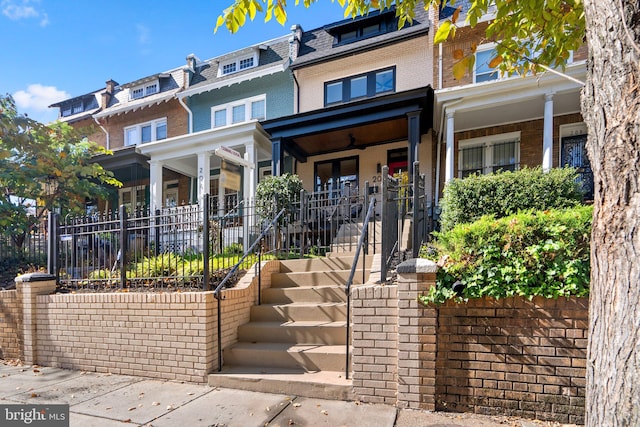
(29, 286)
(416, 336)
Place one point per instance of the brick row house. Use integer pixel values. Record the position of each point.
(488, 121)
(333, 104)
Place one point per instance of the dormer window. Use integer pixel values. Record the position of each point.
(70, 109)
(238, 64)
(145, 90)
(363, 29)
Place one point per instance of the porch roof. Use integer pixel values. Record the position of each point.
(358, 124)
(122, 158)
(510, 100)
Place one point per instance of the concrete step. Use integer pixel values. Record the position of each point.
(294, 382)
(318, 264)
(313, 278)
(286, 355)
(300, 311)
(303, 332)
(317, 294)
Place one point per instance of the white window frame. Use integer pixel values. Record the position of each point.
(238, 61)
(149, 88)
(488, 142)
(138, 128)
(228, 108)
(500, 75)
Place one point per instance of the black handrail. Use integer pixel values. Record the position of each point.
(218, 289)
(354, 266)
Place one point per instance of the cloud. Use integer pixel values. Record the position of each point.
(144, 34)
(24, 9)
(38, 97)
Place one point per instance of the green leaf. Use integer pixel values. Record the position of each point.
(443, 32)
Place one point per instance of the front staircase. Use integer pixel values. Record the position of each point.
(295, 342)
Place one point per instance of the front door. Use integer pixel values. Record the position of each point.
(574, 154)
(339, 176)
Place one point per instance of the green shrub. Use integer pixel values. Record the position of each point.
(533, 253)
(506, 193)
(233, 249)
(277, 192)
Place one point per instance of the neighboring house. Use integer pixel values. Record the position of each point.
(136, 114)
(78, 112)
(226, 98)
(488, 122)
(363, 99)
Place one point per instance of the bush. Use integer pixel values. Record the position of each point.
(541, 253)
(506, 193)
(281, 190)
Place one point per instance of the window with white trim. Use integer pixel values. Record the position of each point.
(154, 130)
(489, 154)
(144, 90)
(482, 72)
(239, 111)
(238, 64)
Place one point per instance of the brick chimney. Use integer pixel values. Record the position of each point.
(110, 89)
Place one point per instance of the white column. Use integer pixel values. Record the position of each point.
(155, 184)
(449, 155)
(547, 135)
(249, 190)
(204, 174)
(250, 155)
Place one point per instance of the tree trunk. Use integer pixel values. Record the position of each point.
(611, 108)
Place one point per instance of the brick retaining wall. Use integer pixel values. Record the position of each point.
(514, 356)
(10, 325)
(510, 356)
(160, 335)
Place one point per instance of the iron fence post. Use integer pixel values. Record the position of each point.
(52, 244)
(303, 222)
(124, 240)
(415, 238)
(205, 242)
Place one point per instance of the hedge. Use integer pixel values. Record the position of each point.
(506, 193)
(532, 253)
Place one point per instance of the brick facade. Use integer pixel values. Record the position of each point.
(177, 121)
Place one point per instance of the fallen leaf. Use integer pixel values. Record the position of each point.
(37, 371)
(268, 409)
(73, 396)
(324, 412)
(190, 394)
(169, 407)
(34, 394)
(141, 395)
(133, 408)
(155, 404)
(297, 405)
(128, 420)
(291, 422)
(108, 407)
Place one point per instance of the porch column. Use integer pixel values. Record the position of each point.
(155, 184)
(414, 139)
(547, 136)
(250, 155)
(277, 156)
(204, 174)
(448, 161)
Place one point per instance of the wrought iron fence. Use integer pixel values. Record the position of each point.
(192, 247)
(22, 251)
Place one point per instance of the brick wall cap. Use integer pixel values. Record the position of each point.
(35, 277)
(417, 265)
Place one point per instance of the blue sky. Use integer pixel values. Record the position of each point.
(56, 49)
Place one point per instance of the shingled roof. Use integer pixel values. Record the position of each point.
(321, 45)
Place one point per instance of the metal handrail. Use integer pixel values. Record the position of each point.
(218, 289)
(354, 266)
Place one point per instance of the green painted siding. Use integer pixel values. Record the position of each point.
(278, 88)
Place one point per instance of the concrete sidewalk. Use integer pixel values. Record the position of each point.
(117, 400)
